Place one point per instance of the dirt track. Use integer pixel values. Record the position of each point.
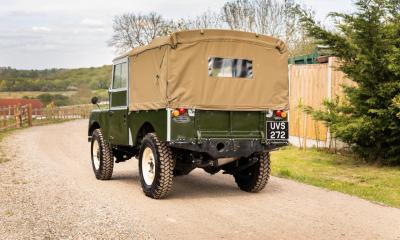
(48, 190)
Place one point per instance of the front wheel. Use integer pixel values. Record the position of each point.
(156, 167)
(254, 178)
(102, 157)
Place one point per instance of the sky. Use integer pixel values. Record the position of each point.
(38, 34)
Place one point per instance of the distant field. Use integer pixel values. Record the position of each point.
(54, 79)
(81, 96)
(32, 94)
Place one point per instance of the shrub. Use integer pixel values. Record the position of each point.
(368, 43)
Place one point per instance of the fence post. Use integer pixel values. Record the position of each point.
(329, 96)
(4, 118)
(305, 132)
(17, 114)
(29, 115)
(5, 115)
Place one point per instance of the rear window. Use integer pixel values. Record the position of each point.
(230, 67)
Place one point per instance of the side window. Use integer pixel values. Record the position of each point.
(230, 68)
(120, 75)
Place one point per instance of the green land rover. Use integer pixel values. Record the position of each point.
(210, 99)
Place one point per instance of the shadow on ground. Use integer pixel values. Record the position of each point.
(198, 185)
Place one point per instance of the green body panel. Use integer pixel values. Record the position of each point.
(118, 99)
(183, 130)
(205, 124)
(156, 118)
(230, 124)
(208, 124)
(118, 116)
(100, 118)
(118, 127)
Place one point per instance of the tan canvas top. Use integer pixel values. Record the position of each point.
(197, 69)
(210, 34)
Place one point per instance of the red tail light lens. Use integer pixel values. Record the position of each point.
(182, 111)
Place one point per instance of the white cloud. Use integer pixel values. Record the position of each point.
(73, 33)
(41, 29)
(39, 47)
(92, 22)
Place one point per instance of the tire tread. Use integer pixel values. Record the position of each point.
(260, 175)
(107, 159)
(163, 185)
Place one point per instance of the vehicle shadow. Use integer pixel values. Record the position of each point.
(205, 186)
(200, 185)
(127, 177)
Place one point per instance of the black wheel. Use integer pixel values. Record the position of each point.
(156, 167)
(254, 178)
(102, 158)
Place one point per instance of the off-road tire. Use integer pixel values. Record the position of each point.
(254, 178)
(106, 165)
(164, 167)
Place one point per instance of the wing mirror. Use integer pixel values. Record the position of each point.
(95, 100)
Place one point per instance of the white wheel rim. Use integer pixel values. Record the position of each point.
(148, 166)
(96, 155)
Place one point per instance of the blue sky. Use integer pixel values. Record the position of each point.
(37, 34)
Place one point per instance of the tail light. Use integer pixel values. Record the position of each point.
(178, 112)
(281, 114)
(175, 113)
(182, 111)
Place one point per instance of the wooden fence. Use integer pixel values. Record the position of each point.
(12, 117)
(309, 86)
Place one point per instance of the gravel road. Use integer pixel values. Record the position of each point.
(48, 191)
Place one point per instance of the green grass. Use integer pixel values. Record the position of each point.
(339, 172)
(3, 157)
(9, 213)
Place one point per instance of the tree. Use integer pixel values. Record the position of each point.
(132, 30)
(207, 20)
(268, 17)
(368, 44)
(240, 15)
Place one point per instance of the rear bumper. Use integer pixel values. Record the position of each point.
(224, 148)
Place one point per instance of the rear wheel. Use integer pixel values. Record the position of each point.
(254, 178)
(156, 167)
(102, 158)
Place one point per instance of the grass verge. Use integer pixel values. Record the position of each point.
(339, 172)
(3, 157)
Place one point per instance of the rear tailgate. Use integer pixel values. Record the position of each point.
(230, 124)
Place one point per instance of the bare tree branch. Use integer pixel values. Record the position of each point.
(132, 30)
(269, 17)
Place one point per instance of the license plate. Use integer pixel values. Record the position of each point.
(277, 130)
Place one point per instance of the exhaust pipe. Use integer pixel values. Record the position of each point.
(223, 161)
